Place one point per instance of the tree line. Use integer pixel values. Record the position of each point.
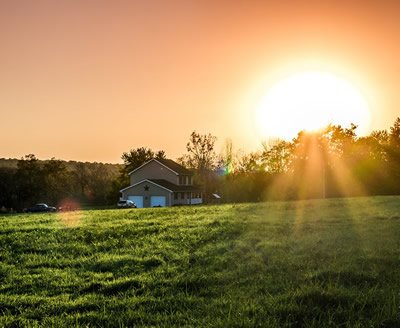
(332, 162)
(29, 180)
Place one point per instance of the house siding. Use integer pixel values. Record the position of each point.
(153, 190)
(186, 198)
(153, 170)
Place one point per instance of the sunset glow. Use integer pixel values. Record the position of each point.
(310, 101)
(90, 80)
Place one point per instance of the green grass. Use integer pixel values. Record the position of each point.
(317, 263)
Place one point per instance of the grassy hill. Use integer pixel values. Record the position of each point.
(317, 263)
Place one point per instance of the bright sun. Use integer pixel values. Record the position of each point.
(310, 101)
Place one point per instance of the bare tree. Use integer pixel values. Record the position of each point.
(201, 155)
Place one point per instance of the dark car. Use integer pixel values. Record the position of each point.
(126, 204)
(41, 208)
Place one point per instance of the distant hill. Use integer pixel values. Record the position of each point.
(88, 183)
(8, 163)
(13, 162)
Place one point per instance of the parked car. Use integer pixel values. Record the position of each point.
(126, 204)
(41, 208)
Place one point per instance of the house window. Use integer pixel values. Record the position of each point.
(175, 195)
(189, 180)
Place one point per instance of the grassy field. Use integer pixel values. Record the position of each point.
(317, 263)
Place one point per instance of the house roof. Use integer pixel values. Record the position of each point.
(169, 164)
(166, 185)
(174, 166)
(173, 187)
(145, 180)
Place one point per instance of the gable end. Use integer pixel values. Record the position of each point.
(167, 164)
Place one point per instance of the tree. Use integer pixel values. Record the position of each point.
(100, 182)
(201, 155)
(136, 157)
(369, 163)
(340, 140)
(377, 143)
(249, 163)
(29, 180)
(7, 187)
(56, 180)
(93, 182)
(394, 154)
(310, 162)
(202, 158)
(395, 134)
(277, 158)
(81, 177)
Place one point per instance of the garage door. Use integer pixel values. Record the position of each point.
(138, 200)
(158, 201)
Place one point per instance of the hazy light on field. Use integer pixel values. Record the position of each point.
(70, 213)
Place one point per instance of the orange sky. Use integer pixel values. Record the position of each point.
(88, 80)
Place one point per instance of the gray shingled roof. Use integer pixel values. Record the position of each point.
(174, 166)
(174, 187)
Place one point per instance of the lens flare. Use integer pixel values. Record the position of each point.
(226, 169)
(69, 212)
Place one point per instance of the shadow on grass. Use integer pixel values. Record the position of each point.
(128, 265)
(345, 279)
(115, 288)
(327, 309)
